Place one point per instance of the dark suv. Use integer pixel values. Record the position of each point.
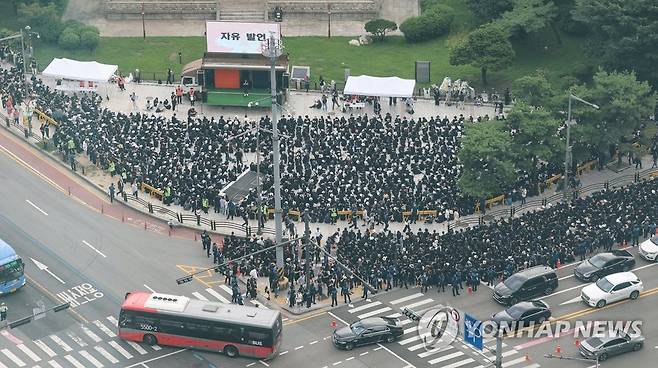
(603, 264)
(525, 285)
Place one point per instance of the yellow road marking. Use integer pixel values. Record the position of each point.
(289, 322)
(200, 278)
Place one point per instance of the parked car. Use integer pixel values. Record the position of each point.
(604, 347)
(649, 249)
(367, 331)
(612, 288)
(604, 264)
(523, 314)
(525, 285)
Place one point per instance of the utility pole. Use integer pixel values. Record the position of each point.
(307, 249)
(259, 195)
(273, 49)
(499, 351)
(578, 359)
(568, 160)
(328, 20)
(143, 22)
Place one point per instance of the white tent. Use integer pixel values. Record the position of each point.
(365, 85)
(90, 71)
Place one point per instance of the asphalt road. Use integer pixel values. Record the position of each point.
(93, 260)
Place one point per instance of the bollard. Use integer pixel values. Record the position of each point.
(150, 208)
(102, 210)
(558, 349)
(333, 324)
(69, 190)
(558, 264)
(470, 290)
(83, 170)
(194, 236)
(198, 220)
(144, 224)
(123, 217)
(169, 231)
(527, 357)
(179, 216)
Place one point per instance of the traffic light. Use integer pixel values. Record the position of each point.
(410, 314)
(20, 322)
(61, 307)
(184, 280)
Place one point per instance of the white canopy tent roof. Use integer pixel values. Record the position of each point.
(365, 85)
(80, 70)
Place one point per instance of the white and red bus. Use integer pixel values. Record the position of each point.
(173, 320)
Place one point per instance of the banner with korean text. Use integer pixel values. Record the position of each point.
(239, 38)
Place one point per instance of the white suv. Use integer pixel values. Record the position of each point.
(612, 288)
(649, 249)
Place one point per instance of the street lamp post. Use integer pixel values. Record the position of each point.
(273, 49)
(143, 22)
(328, 20)
(567, 151)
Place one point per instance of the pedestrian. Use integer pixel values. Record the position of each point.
(134, 189)
(215, 253)
(455, 284)
(334, 295)
(111, 192)
(3, 312)
(133, 99)
(245, 88)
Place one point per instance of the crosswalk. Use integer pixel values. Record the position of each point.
(91, 345)
(455, 355)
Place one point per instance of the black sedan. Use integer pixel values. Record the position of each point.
(522, 314)
(604, 264)
(367, 331)
(603, 347)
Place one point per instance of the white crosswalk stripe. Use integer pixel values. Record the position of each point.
(120, 349)
(435, 351)
(418, 304)
(85, 354)
(374, 313)
(446, 357)
(406, 298)
(409, 330)
(74, 361)
(54, 364)
(364, 307)
(199, 296)
(156, 347)
(113, 320)
(513, 362)
(217, 295)
(405, 322)
(46, 349)
(533, 365)
(395, 315)
(29, 352)
(61, 343)
(104, 328)
(2, 365)
(413, 338)
(416, 347)
(106, 354)
(13, 357)
(459, 363)
(91, 334)
(226, 288)
(137, 347)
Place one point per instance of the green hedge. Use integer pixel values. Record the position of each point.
(432, 23)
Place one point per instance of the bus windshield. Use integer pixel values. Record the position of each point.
(11, 271)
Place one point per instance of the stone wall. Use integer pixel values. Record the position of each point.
(163, 9)
(317, 9)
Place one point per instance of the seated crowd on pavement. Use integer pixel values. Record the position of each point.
(379, 163)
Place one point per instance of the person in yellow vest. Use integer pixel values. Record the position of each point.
(71, 146)
(205, 205)
(166, 198)
(264, 211)
(334, 215)
(111, 168)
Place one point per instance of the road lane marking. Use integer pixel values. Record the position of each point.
(414, 338)
(283, 353)
(446, 357)
(394, 315)
(376, 349)
(405, 322)
(92, 247)
(13, 357)
(263, 363)
(54, 364)
(149, 288)
(137, 347)
(217, 295)
(157, 358)
(417, 304)
(35, 206)
(227, 289)
(199, 296)
(29, 352)
(513, 362)
(74, 361)
(91, 334)
(156, 347)
(364, 353)
(106, 354)
(113, 320)
(299, 347)
(348, 359)
(395, 355)
(46, 349)
(338, 362)
(576, 299)
(365, 306)
(313, 342)
(11, 337)
(457, 364)
(91, 358)
(434, 351)
(374, 313)
(61, 343)
(120, 349)
(416, 347)
(104, 328)
(406, 298)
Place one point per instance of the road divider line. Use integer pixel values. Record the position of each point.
(37, 207)
(143, 363)
(93, 248)
(21, 162)
(395, 355)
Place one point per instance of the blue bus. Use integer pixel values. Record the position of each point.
(11, 269)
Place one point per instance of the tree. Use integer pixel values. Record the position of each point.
(489, 9)
(379, 27)
(488, 166)
(89, 40)
(69, 40)
(535, 90)
(529, 16)
(535, 136)
(625, 104)
(44, 20)
(625, 34)
(433, 23)
(487, 48)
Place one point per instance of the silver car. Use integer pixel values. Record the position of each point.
(605, 347)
